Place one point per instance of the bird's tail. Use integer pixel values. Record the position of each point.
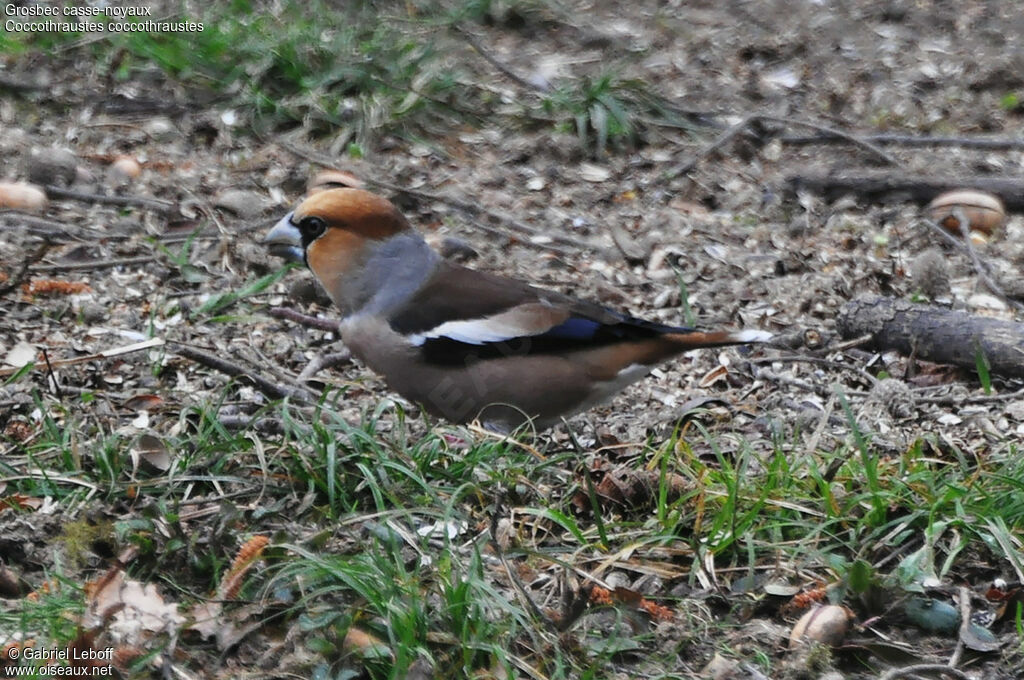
(698, 339)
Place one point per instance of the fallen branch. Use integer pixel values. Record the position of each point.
(936, 334)
(989, 144)
(893, 188)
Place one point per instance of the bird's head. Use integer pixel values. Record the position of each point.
(336, 233)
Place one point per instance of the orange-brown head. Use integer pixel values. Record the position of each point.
(336, 233)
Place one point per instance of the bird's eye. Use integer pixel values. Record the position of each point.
(311, 228)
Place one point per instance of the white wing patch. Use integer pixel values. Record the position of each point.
(522, 321)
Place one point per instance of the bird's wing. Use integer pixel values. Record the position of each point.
(461, 313)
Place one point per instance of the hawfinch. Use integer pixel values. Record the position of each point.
(466, 344)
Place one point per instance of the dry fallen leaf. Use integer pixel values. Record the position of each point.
(151, 451)
(131, 610)
(21, 354)
(594, 173)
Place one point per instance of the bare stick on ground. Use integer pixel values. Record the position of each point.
(304, 319)
(728, 135)
(164, 207)
(911, 141)
(892, 188)
(106, 354)
(502, 68)
(94, 264)
(324, 361)
(936, 334)
(267, 387)
(983, 272)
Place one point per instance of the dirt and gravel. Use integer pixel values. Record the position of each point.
(729, 238)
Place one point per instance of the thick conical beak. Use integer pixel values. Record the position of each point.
(284, 240)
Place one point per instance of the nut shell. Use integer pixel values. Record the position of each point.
(126, 166)
(827, 625)
(983, 211)
(22, 196)
(332, 179)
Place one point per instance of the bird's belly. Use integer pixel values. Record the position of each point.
(505, 391)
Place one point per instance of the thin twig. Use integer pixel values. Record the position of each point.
(51, 228)
(50, 377)
(290, 314)
(268, 388)
(964, 595)
(854, 139)
(94, 264)
(276, 372)
(983, 272)
(871, 380)
(936, 668)
(490, 59)
(950, 400)
(718, 143)
(849, 344)
(538, 613)
(749, 120)
(106, 354)
(158, 205)
(322, 362)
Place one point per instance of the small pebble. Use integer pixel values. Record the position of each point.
(93, 313)
(58, 167)
(242, 202)
(930, 273)
(307, 291)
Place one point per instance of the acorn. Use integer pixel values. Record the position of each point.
(827, 624)
(983, 211)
